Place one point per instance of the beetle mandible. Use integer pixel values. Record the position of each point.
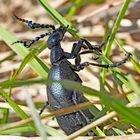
(58, 96)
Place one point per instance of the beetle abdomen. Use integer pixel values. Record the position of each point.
(60, 97)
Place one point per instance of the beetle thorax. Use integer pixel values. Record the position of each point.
(56, 54)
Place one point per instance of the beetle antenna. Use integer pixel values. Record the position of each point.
(35, 25)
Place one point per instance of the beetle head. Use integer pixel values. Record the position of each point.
(56, 36)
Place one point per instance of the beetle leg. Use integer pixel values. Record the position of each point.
(75, 101)
(114, 64)
(90, 133)
(99, 47)
(83, 43)
(32, 41)
(77, 48)
(81, 66)
(35, 25)
(89, 51)
(43, 108)
(96, 47)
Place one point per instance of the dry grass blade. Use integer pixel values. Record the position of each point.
(99, 121)
(103, 11)
(48, 114)
(93, 21)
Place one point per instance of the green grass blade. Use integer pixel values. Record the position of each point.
(22, 65)
(58, 17)
(26, 129)
(29, 57)
(17, 130)
(136, 65)
(116, 26)
(53, 132)
(37, 122)
(13, 104)
(133, 84)
(130, 83)
(76, 6)
(18, 83)
(43, 64)
(21, 50)
(112, 36)
(8, 57)
(15, 107)
(118, 131)
(5, 112)
(131, 115)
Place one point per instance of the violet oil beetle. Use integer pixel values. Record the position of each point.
(58, 96)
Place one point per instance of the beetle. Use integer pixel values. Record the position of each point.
(58, 96)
